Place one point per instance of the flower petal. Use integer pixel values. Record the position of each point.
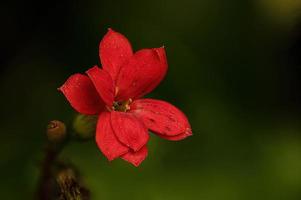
(103, 83)
(161, 117)
(106, 139)
(136, 158)
(82, 95)
(114, 51)
(142, 73)
(181, 136)
(161, 73)
(129, 130)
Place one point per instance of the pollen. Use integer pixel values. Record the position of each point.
(122, 106)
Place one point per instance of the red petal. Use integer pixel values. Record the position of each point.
(161, 117)
(142, 73)
(106, 139)
(129, 130)
(82, 95)
(103, 83)
(177, 137)
(114, 51)
(136, 158)
(163, 61)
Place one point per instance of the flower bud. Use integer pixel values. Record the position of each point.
(85, 126)
(56, 131)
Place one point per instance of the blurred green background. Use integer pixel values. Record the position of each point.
(234, 69)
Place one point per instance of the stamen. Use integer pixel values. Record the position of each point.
(121, 106)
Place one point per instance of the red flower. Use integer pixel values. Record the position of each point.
(114, 93)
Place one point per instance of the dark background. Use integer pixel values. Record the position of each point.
(234, 69)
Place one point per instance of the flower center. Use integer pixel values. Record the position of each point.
(121, 106)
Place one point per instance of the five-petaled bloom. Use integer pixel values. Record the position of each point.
(114, 94)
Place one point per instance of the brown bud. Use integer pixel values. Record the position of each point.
(56, 131)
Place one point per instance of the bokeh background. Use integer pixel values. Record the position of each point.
(234, 69)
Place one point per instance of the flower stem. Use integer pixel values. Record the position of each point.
(46, 183)
(58, 180)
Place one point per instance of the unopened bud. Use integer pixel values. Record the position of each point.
(85, 126)
(56, 131)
